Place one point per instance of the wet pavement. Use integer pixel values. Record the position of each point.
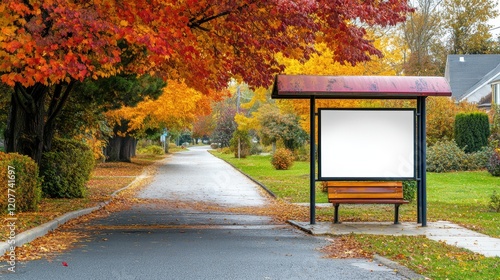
(197, 176)
(159, 240)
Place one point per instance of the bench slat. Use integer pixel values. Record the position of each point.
(368, 201)
(366, 189)
(364, 195)
(361, 184)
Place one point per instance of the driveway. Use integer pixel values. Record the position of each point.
(158, 240)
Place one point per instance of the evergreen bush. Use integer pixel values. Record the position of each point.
(472, 131)
(66, 169)
(20, 174)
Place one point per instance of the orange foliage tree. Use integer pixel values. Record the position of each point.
(320, 64)
(177, 108)
(46, 46)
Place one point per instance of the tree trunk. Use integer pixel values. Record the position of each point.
(121, 148)
(127, 148)
(25, 125)
(30, 127)
(113, 149)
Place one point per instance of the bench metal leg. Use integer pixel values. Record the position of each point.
(336, 214)
(396, 214)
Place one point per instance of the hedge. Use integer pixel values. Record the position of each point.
(20, 174)
(66, 169)
(472, 131)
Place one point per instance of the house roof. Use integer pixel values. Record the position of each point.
(468, 73)
(307, 86)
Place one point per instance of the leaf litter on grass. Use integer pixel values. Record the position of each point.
(69, 234)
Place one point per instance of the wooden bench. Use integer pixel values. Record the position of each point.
(365, 193)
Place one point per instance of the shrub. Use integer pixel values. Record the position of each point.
(493, 165)
(27, 184)
(472, 131)
(243, 138)
(214, 145)
(495, 127)
(478, 160)
(302, 153)
(225, 150)
(495, 202)
(256, 149)
(151, 150)
(66, 169)
(409, 190)
(282, 159)
(445, 156)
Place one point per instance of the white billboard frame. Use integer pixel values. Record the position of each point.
(361, 144)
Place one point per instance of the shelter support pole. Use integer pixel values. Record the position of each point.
(312, 178)
(421, 163)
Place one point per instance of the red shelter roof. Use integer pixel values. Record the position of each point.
(307, 86)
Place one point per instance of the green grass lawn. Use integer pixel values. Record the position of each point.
(463, 198)
(458, 197)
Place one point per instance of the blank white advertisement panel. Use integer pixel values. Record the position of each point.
(360, 144)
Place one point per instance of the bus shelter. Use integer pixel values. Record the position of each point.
(404, 145)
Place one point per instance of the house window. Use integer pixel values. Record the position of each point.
(495, 92)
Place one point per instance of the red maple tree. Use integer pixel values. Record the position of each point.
(48, 45)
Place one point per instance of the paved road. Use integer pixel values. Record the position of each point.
(152, 241)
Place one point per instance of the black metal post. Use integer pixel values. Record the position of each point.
(419, 160)
(422, 165)
(312, 178)
(423, 177)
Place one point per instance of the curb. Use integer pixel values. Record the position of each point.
(41, 230)
(399, 269)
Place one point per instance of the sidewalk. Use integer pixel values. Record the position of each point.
(451, 234)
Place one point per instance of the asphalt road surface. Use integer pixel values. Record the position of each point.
(151, 241)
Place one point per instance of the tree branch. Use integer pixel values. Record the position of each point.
(55, 111)
(54, 99)
(193, 23)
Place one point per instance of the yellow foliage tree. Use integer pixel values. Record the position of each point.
(177, 108)
(321, 64)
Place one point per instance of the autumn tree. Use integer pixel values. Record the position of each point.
(467, 23)
(176, 109)
(422, 34)
(203, 127)
(48, 45)
(320, 64)
(224, 113)
(276, 126)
